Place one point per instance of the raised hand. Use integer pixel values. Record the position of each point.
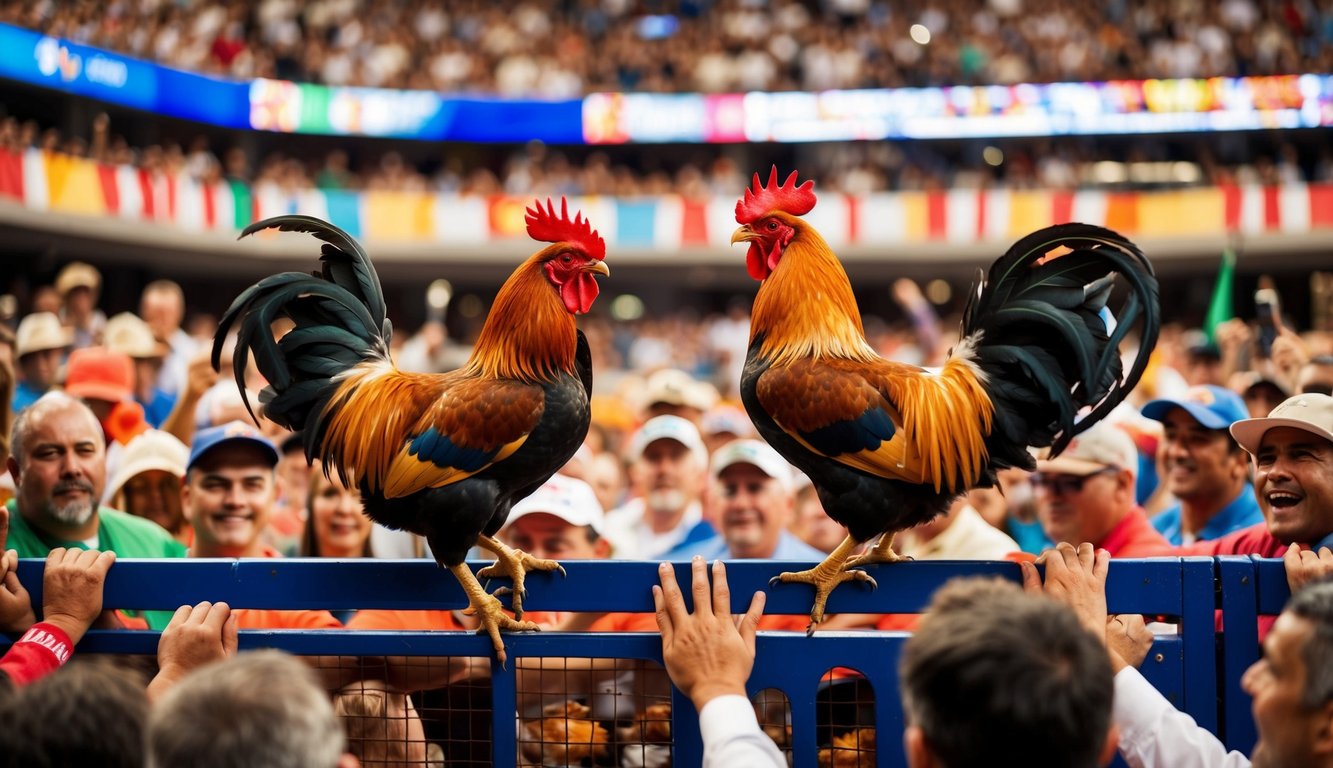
(707, 653)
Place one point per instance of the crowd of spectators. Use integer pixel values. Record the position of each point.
(563, 50)
(671, 470)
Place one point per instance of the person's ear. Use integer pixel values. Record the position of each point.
(918, 751)
(1126, 481)
(602, 548)
(186, 491)
(1109, 748)
(1241, 464)
(1323, 731)
(13, 466)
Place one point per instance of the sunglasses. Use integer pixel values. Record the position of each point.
(1067, 484)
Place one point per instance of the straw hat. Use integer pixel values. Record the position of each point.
(39, 332)
(154, 449)
(128, 333)
(76, 274)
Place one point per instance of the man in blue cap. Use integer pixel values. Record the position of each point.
(1204, 468)
(229, 493)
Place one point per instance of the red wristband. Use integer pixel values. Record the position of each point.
(40, 651)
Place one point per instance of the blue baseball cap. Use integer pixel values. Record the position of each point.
(1213, 407)
(206, 440)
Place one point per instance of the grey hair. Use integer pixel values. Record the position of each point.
(1314, 603)
(18, 432)
(261, 709)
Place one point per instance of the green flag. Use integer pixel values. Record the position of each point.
(1219, 308)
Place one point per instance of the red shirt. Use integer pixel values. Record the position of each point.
(647, 622)
(611, 622)
(401, 620)
(1255, 540)
(1134, 536)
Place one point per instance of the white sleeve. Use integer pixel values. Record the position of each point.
(1154, 734)
(732, 736)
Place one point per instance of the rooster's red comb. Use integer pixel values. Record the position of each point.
(787, 198)
(545, 226)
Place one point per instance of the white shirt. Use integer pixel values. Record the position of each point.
(633, 539)
(1154, 734)
(732, 736)
(968, 537)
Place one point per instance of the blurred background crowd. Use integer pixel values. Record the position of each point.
(573, 47)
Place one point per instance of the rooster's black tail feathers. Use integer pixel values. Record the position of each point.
(339, 318)
(1049, 342)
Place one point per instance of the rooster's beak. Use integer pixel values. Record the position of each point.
(599, 267)
(742, 235)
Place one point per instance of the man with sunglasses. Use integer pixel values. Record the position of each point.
(1087, 494)
(1204, 468)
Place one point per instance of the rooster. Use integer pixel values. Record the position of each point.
(887, 445)
(565, 735)
(853, 749)
(441, 455)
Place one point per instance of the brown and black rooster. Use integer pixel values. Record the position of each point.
(441, 455)
(887, 445)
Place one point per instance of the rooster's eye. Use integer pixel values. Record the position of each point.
(566, 258)
(772, 225)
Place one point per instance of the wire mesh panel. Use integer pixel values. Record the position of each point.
(773, 710)
(593, 711)
(845, 719)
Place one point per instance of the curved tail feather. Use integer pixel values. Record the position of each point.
(340, 322)
(1048, 341)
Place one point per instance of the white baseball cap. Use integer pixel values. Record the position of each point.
(675, 428)
(1102, 445)
(758, 454)
(1309, 412)
(675, 387)
(568, 498)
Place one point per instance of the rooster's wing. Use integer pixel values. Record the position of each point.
(473, 424)
(886, 419)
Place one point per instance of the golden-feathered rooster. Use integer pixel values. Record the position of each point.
(887, 445)
(565, 735)
(441, 455)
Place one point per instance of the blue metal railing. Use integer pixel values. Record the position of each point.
(1184, 666)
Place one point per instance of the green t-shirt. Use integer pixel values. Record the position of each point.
(119, 532)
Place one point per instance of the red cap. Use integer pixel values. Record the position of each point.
(100, 373)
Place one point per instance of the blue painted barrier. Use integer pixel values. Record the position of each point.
(1184, 666)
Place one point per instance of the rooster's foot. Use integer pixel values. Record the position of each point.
(490, 614)
(513, 564)
(824, 580)
(880, 553)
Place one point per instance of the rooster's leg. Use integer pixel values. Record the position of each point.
(489, 611)
(882, 552)
(825, 576)
(513, 564)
